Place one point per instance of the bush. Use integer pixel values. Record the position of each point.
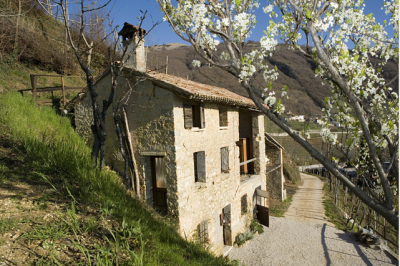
(241, 238)
(256, 227)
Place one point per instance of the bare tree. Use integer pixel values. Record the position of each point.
(82, 45)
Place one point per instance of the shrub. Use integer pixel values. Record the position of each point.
(256, 227)
(241, 238)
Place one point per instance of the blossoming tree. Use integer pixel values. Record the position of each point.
(349, 48)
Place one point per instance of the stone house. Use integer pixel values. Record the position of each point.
(199, 149)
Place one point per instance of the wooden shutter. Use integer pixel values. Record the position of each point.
(227, 231)
(243, 155)
(188, 115)
(203, 231)
(200, 166)
(202, 117)
(225, 159)
(161, 180)
(223, 117)
(244, 204)
(263, 207)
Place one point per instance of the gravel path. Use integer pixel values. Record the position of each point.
(304, 237)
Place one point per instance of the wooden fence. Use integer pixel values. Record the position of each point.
(35, 90)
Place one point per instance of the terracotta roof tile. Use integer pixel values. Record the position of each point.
(199, 91)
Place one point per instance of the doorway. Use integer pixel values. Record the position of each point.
(159, 179)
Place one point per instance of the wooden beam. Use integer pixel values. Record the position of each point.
(132, 152)
(248, 161)
(48, 89)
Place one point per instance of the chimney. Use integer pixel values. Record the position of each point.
(133, 39)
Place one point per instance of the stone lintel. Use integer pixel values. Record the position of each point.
(153, 153)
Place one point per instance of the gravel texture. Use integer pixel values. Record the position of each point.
(304, 237)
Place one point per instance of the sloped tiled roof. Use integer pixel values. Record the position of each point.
(181, 86)
(198, 91)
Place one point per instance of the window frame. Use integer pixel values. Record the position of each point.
(193, 115)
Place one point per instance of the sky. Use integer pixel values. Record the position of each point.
(128, 11)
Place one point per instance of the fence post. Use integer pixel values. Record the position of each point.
(384, 228)
(63, 90)
(33, 83)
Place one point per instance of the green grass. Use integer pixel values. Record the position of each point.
(278, 210)
(19, 74)
(333, 213)
(52, 151)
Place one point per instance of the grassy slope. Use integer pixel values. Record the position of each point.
(49, 150)
(15, 75)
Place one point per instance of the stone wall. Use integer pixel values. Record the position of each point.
(275, 178)
(258, 143)
(150, 119)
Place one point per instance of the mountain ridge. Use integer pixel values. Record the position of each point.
(305, 91)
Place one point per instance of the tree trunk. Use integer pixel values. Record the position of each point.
(17, 28)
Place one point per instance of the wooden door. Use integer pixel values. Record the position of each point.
(242, 143)
(226, 223)
(159, 182)
(263, 207)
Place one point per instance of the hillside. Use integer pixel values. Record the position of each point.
(33, 42)
(306, 94)
(57, 210)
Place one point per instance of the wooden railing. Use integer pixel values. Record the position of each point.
(35, 90)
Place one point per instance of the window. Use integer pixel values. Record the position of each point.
(225, 160)
(244, 204)
(202, 230)
(223, 117)
(199, 166)
(194, 115)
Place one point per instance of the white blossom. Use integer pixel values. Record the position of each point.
(196, 63)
